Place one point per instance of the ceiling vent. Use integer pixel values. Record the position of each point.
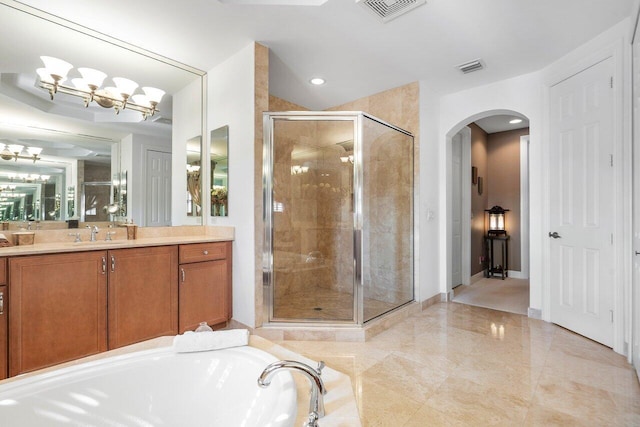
(390, 9)
(471, 66)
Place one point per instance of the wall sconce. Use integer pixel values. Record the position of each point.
(495, 224)
(88, 88)
(347, 159)
(297, 169)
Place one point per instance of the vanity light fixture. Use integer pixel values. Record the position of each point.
(89, 88)
(317, 81)
(347, 159)
(14, 152)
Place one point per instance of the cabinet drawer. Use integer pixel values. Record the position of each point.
(198, 252)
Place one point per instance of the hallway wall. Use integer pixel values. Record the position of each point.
(503, 185)
(479, 202)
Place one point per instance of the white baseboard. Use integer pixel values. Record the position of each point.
(516, 274)
(534, 313)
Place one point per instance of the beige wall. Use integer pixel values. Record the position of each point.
(504, 185)
(479, 202)
(261, 97)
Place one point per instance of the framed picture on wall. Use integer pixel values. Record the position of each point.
(474, 175)
(480, 185)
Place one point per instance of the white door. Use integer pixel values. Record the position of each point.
(158, 191)
(582, 197)
(456, 211)
(635, 349)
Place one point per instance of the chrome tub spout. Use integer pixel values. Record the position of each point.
(316, 405)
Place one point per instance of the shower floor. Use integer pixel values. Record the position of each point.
(322, 304)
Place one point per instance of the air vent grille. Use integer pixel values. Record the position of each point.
(471, 66)
(390, 9)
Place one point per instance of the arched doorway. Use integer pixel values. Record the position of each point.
(487, 165)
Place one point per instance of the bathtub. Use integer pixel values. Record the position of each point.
(154, 388)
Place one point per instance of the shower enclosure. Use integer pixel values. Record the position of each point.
(338, 197)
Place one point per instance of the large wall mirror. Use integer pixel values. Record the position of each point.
(71, 157)
(219, 154)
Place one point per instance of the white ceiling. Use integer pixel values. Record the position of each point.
(355, 52)
(500, 123)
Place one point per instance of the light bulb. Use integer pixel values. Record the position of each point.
(142, 100)
(57, 68)
(16, 148)
(153, 94)
(45, 77)
(80, 84)
(125, 87)
(93, 78)
(34, 151)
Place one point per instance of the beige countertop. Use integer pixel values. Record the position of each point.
(56, 241)
(340, 404)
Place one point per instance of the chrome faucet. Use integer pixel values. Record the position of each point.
(316, 405)
(94, 232)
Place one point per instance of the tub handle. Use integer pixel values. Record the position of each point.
(182, 274)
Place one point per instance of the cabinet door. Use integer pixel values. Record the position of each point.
(4, 365)
(143, 294)
(58, 309)
(203, 294)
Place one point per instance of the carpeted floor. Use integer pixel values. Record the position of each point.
(511, 295)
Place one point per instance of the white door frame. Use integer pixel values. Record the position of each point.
(623, 190)
(465, 208)
(466, 205)
(524, 207)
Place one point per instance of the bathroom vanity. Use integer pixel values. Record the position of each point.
(66, 301)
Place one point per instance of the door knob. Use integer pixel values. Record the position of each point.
(555, 235)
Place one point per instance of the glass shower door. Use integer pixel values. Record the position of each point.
(387, 224)
(312, 220)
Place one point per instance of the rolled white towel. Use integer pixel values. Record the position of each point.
(205, 341)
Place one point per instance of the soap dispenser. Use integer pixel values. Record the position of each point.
(204, 327)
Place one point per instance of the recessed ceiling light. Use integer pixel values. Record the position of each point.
(317, 81)
(515, 121)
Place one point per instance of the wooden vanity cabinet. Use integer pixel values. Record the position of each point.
(58, 309)
(205, 284)
(4, 323)
(143, 294)
(4, 345)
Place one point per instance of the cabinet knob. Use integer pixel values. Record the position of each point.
(205, 252)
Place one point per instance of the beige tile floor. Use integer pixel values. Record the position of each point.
(460, 365)
(510, 294)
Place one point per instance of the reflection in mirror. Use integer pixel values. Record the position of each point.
(219, 171)
(194, 187)
(76, 146)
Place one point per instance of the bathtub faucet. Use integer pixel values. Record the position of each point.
(316, 406)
